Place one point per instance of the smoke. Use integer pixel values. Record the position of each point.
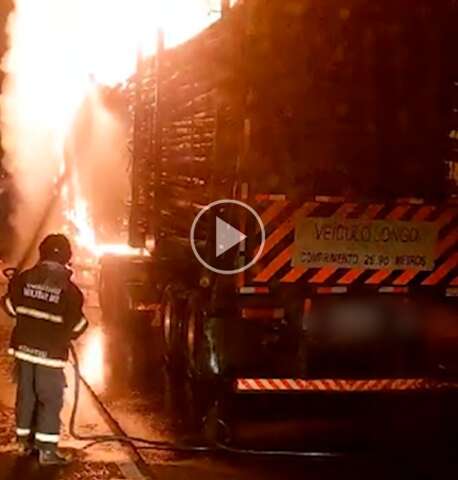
(42, 92)
(97, 148)
(57, 49)
(60, 52)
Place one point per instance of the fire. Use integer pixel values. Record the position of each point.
(85, 238)
(93, 359)
(79, 217)
(60, 51)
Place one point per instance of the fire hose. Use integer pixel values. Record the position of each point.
(137, 443)
(122, 437)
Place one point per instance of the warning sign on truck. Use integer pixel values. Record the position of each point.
(395, 245)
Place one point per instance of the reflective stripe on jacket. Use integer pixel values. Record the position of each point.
(48, 308)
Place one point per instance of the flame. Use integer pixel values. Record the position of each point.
(92, 358)
(79, 217)
(59, 51)
(85, 238)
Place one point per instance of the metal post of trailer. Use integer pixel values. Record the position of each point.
(157, 139)
(136, 220)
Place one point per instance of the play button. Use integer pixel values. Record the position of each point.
(227, 236)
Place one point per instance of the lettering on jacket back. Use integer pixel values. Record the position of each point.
(42, 292)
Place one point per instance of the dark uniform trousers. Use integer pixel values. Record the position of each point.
(40, 394)
(48, 308)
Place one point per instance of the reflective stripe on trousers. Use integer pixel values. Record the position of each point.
(39, 402)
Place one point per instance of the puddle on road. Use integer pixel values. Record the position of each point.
(121, 368)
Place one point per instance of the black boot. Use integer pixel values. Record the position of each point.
(26, 447)
(52, 457)
(25, 450)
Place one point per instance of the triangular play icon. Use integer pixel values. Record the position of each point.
(226, 236)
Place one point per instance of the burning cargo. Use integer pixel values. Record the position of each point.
(301, 98)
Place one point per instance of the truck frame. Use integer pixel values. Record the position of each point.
(301, 110)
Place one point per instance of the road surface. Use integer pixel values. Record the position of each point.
(136, 392)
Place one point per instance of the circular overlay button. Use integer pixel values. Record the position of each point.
(222, 234)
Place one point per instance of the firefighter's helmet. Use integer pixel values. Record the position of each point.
(56, 247)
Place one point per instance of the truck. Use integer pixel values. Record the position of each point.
(333, 121)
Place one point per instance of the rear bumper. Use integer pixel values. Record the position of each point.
(337, 415)
(272, 385)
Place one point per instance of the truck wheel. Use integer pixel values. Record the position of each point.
(193, 337)
(173, 308)
(189, 404)
(201, 355)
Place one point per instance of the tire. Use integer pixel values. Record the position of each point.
(181, 403)
(201, 356)
(204, 356)
(193, 336)
(173, 310)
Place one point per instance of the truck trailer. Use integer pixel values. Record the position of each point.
(332, 121)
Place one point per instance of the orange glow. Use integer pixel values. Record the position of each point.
(92, 358)
(60, 50)
(84, 236)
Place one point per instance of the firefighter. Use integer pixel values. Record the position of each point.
(48, 308)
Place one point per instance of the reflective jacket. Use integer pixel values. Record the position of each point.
(48, 308)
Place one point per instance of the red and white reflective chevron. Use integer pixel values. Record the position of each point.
(279, 216)
(340, 385)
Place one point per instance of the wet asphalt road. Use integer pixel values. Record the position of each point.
(136, 391)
